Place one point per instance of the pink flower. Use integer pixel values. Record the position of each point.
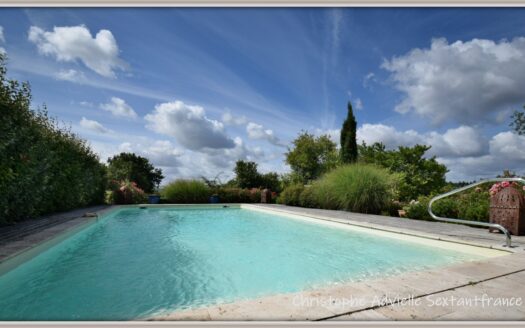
(505, 184)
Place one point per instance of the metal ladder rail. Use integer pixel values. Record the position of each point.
(483, 224)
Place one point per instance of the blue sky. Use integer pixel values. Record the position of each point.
(196, 89)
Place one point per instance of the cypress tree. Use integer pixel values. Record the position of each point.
(348, 138)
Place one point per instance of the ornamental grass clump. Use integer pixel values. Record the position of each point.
(360, 188)
(186, 192)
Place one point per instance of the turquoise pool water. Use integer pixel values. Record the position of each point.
(138, 262)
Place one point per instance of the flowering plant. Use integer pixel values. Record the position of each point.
(125, 192)
(497, 187)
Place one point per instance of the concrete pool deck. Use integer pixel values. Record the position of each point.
(465, 291)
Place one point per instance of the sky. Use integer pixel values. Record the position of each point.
(196, 89)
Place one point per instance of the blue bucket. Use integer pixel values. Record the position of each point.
(154, 199)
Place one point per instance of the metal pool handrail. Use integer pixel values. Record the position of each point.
(483, 224)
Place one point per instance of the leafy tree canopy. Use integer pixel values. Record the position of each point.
(44, 167)
(246, 174)
(312, 156)
(518, 122)
(421, 176)
(129, 166)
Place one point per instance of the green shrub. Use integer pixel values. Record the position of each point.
(125, 192)
(307, 198)
(291, 195)
(186, 192)
(239, 195)
(357, 187)
(472, 205)
(44, 167)
(418, 209)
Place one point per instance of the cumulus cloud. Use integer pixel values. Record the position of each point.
(230, 119)
(119, 107)
(75, 43)
(257, 131)
(461, 141)
(161, 153)
(506, 152)
(189, 125)
(462, 81)
(93, 125)
(71, 75)
(466, 153)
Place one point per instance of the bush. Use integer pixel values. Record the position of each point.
(186, 192)
(307, 198)
(291, 195)
(357, 187)
(472, 205)
(44, 167)
(239, 195)
(125, 192)
(129, 166)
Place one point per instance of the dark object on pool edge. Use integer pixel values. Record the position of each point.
(154, 199)
(214, 199)
(266, 196)
(225, 206)
(142, 207)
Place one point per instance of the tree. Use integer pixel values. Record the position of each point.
(421, 176)
(312, 156)
(44, 167)
(128, 166)
(518, 122)
(246, 174)
(271, 181)
(348, 138)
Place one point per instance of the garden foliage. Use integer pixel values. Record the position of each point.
(131, 167)
(44, 167)
(186, 192)
(312, 156)
(355, 187)
(125, 192)
(421, 175)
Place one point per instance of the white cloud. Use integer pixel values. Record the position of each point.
(461, 141)
(71, 75)
(333, 134)
(86, 104)
(467, 154)
(118, 107)
(388, 135)
(75, 43)
(161, 153)
(189, 125)
(93, 125)
(358, 104)
(369, 79)
(257, 131)
(2, 39)
(462, 81)
(506, 152)
(230, 119)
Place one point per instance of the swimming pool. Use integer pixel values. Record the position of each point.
(135, 263)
